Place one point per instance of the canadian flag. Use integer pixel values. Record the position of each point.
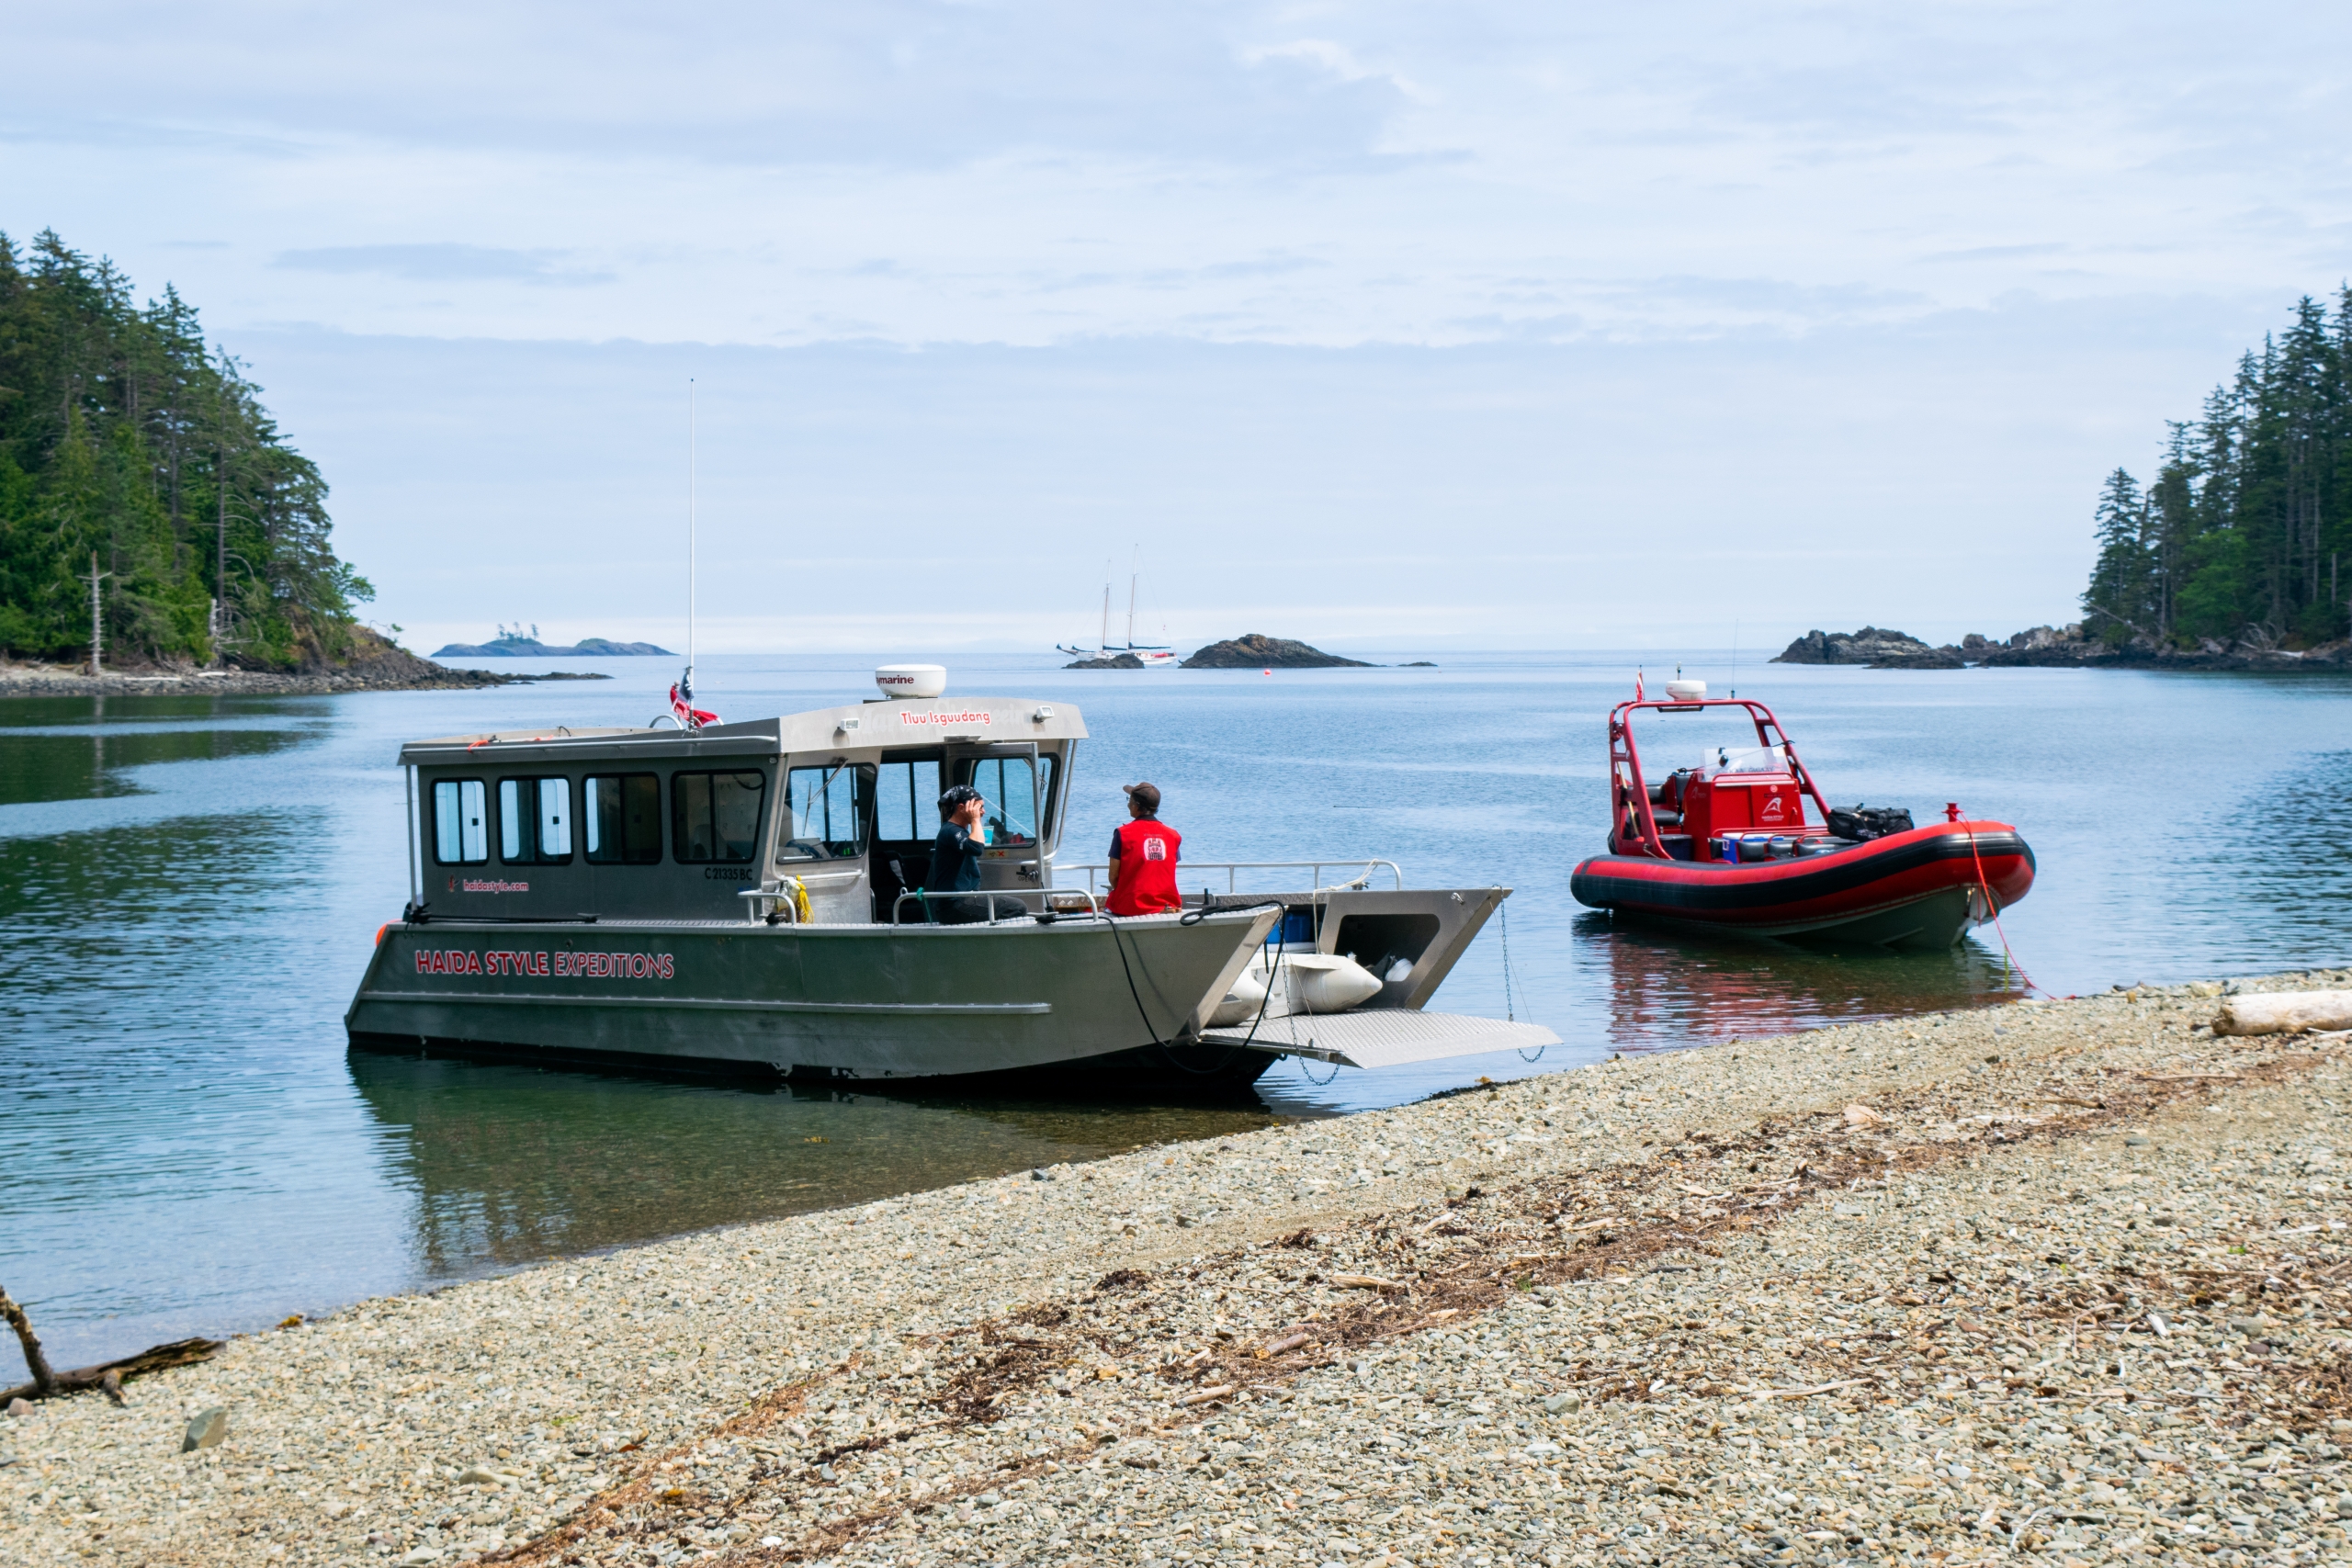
(682, 709)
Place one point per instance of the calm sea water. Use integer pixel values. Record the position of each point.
(188, 888)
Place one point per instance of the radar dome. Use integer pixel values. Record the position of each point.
(912, 680)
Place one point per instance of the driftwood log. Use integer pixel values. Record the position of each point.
(107, 1376)
(154, 1359)
(2284, 1012)
(44, 1382)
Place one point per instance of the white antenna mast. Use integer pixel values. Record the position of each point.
(682, 695)
(1102, 643)
(1131, 596)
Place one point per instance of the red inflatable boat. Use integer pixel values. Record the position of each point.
(1731, 845)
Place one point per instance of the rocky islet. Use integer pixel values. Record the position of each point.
(1257, 651)
(2062, 648)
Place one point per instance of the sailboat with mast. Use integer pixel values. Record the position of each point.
(1148, 655)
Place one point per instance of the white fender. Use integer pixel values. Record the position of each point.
(1311, 983)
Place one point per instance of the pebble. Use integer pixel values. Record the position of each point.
(1996, 1350)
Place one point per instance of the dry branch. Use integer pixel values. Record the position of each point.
(154, 1359)
(44, 1383)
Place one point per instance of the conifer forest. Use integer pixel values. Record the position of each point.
(131, 447)
(2244, 534)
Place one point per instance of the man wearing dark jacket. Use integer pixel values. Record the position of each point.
(955, 862)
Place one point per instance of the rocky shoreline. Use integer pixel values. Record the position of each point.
(374, 664)
(2062, 1279)
(2061, 648)
(58, 680)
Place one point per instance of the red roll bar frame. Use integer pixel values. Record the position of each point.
(1626, 785)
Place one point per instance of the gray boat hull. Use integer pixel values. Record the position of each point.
(856, 1003)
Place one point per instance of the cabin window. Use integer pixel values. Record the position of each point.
(534, 821)
(716, 817)
(906, 801)
(460, 836)
(623, 819)
(1015, 792)
(826, 805)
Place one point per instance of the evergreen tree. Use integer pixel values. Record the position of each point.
(2243, 532)
(123, 435)
(2117, 600)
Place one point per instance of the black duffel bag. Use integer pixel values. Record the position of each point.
(1868, 821)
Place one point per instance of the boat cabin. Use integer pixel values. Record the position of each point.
(669, 824)
(1734, 804)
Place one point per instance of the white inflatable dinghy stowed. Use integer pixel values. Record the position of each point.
(1312, 982)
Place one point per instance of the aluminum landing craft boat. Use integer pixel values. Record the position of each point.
(741, 893)
(1729, 846)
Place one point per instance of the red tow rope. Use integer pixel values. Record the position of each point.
(1952, 813)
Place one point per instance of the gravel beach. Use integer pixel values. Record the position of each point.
(2058, 1283)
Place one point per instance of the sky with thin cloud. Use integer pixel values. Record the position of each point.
(1388, 326)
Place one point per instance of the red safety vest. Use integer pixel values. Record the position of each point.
(1147, 868)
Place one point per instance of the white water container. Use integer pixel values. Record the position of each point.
(1687, 691)
(912, 680)
(1315, 983)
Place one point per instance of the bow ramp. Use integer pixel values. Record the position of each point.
(1387, 1038)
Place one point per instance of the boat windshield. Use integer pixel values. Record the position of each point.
(906, 807)
(827, 812)
(1748, 760)
(1015, 792)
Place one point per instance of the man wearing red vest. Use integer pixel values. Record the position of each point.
(1143, 858)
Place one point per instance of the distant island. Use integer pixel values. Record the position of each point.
(1875, 647)
(1257, 651)
(2066, 647)
(514, 645)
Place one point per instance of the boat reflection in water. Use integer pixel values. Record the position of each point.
(511, 1165)
(1673, 988)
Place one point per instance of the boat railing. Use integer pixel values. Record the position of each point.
(1234, 868)
(1046, 900)
(779, 902)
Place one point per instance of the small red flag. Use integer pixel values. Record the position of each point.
(687, 714)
